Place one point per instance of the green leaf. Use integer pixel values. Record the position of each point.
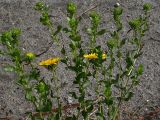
(109, 101)
(137, 55)
(9, 68)
(86, 84)
(135, 23)
(71, 8)
(73, 94)
(73, 22)
(123, 42)
(22, 81)
(15, 33)
(76, 38)
(84, 114)
(107, 83)
(1, 52)
(95, 18)
(16, 54)
(63, 51)
(135, 81)
(34, 73)
(129, 61)
(119, 54)
(59, 28)
(81, 98)
(140, 69)
(73, 68)
(89, 31)
(42, 87)
(90, 108)
(72, 46)
(99, 116)
(64, 61)
(101, 32)
(108, 91)
(71, 118)
(117, 11)
(79, 76)
(128, 96)
(111, 43)
(46, 106)
(9, 38)
(66, 30)
(29, 95)
(45, 20)
(40, 6)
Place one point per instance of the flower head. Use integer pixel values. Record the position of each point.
(51, 61)
(104, 56)
(93, 56)
(30, 55)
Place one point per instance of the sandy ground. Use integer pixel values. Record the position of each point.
(19, 13)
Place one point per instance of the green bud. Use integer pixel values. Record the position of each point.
(147, 6)
(135, 23)
(30, 56)
(42, 87)
(45, 20)
(140, 69)
(73, 23)
(71, 8)
(117, 11)
(95, 18)
(39, 6)
(112, 43)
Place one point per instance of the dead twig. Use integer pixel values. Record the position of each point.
(69, 106)
(46, 49)
(64, 108)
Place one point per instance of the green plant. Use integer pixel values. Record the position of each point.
(112, 88)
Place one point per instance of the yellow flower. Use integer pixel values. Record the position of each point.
(30, 55)
(90, 56)
(94, 56)
(104, 56)
(51, 61)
